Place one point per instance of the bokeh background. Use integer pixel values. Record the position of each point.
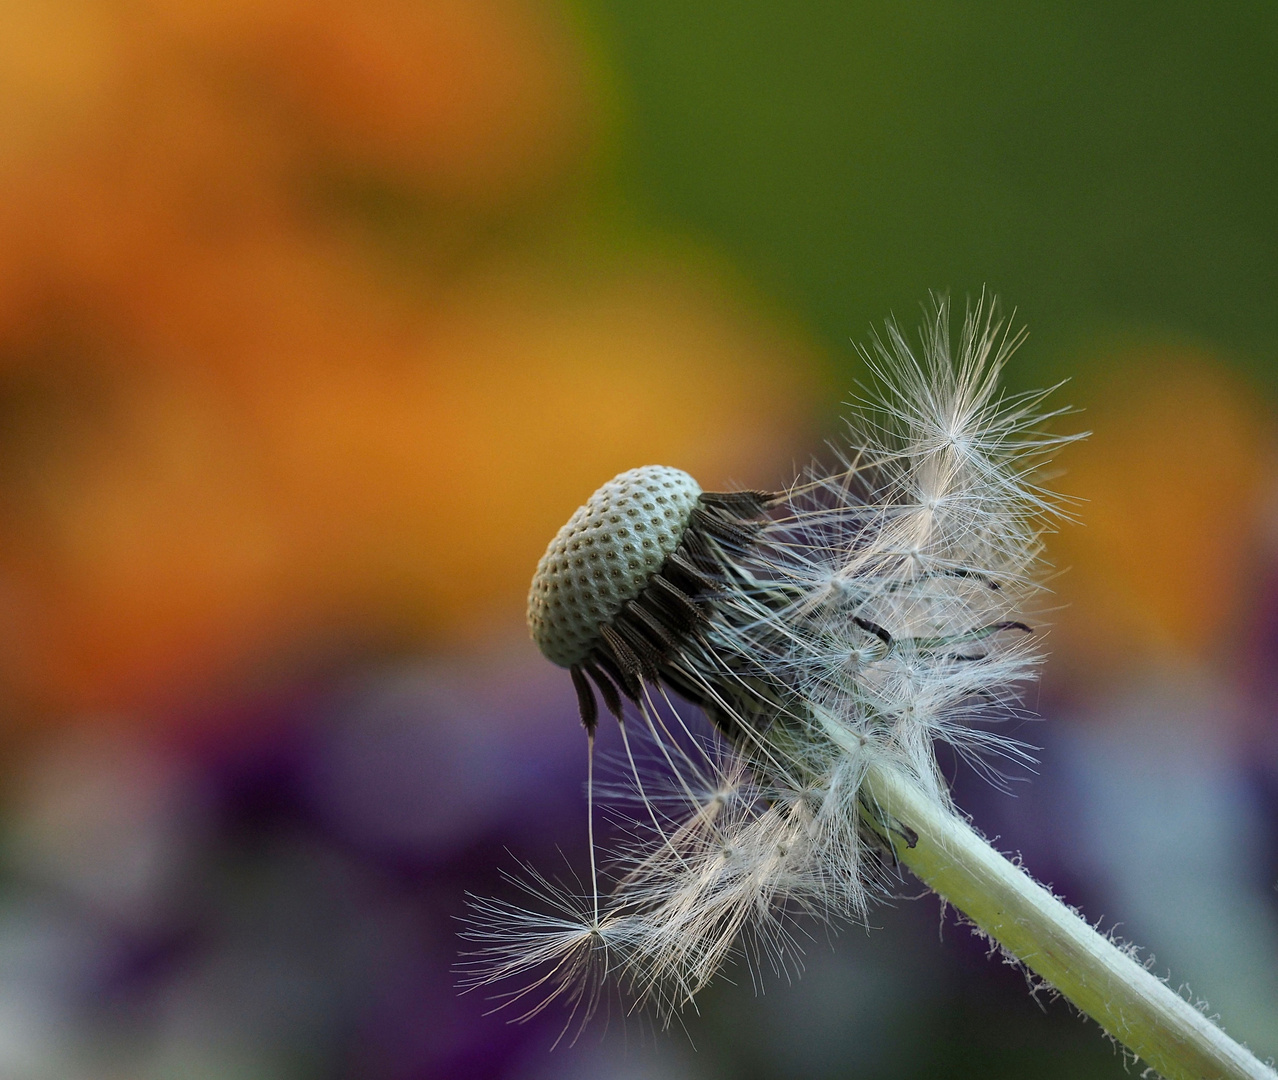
(318, 318)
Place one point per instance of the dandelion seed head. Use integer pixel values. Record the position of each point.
(853, 622)
(604, 557)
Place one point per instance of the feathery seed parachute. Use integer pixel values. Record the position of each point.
(853, 621)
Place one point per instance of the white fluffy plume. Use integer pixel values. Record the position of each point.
(877, 609)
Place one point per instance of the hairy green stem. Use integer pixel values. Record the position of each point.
(1050, 939)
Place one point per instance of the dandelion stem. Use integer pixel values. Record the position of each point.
(1132, 1005)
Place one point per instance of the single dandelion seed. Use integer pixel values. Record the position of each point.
(832, 635)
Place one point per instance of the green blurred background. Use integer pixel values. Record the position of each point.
(1108, 169)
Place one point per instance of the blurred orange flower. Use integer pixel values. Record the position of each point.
(239, 435)
(1173, 478)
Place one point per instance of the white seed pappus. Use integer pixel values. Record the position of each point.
(873, 610)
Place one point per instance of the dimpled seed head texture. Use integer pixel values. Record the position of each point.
(605, 556)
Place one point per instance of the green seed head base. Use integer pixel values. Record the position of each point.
(605, 556)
